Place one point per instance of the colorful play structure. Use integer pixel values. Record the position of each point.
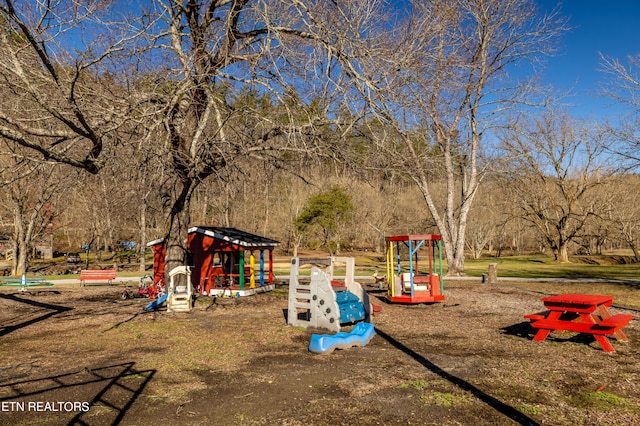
(360, 335)
(180, 290)
(223, 261)
(23, 282)
(323, 301)
(146, 289)
(408, 280)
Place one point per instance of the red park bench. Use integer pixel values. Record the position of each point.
(97, 275)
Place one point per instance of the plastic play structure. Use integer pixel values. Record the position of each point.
(23, 282)
(323, 302)
(146, 288)
(408, 280)
(224, 261)
(156, 303)
(179, 292)
(361, 334)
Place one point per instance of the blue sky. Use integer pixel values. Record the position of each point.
(609, 27)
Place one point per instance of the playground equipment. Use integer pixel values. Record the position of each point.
(146, 288)
(23, 282)
(405, 281)
(156, 303)
(324, 302)
(180, 290)
(361, 334)
(224, 261)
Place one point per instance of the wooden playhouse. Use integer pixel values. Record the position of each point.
(223, 261)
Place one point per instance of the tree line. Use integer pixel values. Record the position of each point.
(321, 124)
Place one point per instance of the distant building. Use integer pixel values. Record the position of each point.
(42, 248)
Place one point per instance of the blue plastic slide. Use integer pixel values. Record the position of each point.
(156, 303)
(327, 343)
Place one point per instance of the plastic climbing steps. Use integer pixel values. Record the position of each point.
(318, 303)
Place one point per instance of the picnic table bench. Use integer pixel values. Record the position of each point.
(581, 313)
(107, 275)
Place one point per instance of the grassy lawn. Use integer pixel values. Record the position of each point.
(585, 268)
(540, 266)
(530, 266)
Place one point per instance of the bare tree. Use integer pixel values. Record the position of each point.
(556, 168)
(34, 199)
(437, 86)
(178, 65)
(624, 80)
(63, 94)
(57, 103)
(622, 218)
(214, 51)
(623, 86)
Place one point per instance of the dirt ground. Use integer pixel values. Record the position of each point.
(83, 356)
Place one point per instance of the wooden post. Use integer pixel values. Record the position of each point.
(270, 266)
(261, 267)
(241, 267)
(252, 276)
(493, 273)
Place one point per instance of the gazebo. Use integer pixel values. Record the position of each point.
(223, 260)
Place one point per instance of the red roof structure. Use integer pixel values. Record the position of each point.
(218, 259)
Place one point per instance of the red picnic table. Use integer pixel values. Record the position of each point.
(582, 313)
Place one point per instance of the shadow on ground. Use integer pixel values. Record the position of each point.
(48, 310)
(498, 405)
(101, 395)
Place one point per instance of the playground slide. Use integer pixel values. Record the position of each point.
(156, 303)
(327, 343)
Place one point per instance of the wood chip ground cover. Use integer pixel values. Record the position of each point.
(467, 360)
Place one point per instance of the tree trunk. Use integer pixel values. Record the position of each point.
(636, 253)
(455, 266)
(562, 254)
(19, 261)
(178, 220)
(143, 237)
(453, 233)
